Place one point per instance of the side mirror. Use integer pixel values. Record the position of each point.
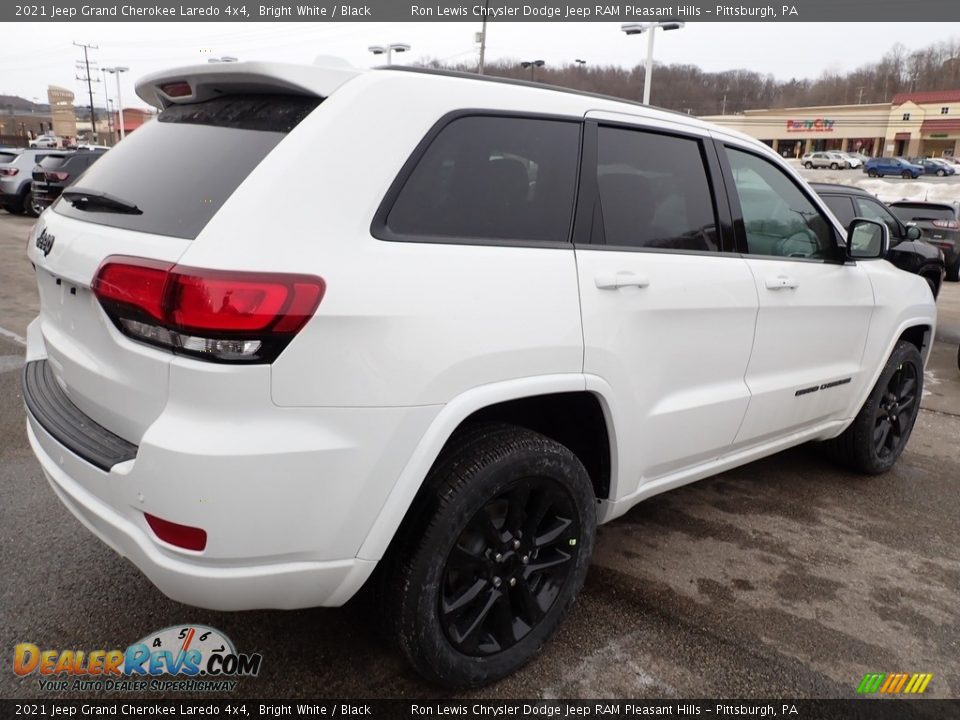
(867, 239)
(913, 232)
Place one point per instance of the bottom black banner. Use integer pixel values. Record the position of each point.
(854, 709)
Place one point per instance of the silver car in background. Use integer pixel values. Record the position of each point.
(832, 160)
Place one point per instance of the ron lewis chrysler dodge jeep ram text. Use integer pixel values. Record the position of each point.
(487, 324)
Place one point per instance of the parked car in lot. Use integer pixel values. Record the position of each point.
(56, 171)
(415, 372)
(940, 225)
(907, 251)
(832, 160)
(45, 141)
(16, 168)
(934, 166)
(853, 161)
(879, 167)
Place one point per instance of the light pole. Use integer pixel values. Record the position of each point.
(580, 63)
(116, 71)
(388, 50)
(533, 65)
(106, 106)
(649, 28)
(224, 59)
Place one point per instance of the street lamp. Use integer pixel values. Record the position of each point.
(649, 28)
(533, 65)
(580, 63)
(388, 50)
(106, 107)
(117, 70)
(224, 59)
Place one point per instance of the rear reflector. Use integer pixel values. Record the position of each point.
(217, 315)
(183, 536)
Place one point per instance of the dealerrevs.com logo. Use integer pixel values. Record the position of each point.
(180, 658)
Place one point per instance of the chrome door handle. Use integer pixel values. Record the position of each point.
(782, 282)
(615, 281)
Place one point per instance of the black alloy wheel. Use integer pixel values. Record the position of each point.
(508, 566)
(880, 431)
(895, 412)
(906, 175)
(492, 556)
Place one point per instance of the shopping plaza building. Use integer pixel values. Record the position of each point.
(913, 124)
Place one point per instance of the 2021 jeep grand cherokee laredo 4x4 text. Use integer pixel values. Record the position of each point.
(509, 314)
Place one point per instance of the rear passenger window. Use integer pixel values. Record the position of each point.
(841, 207)
(495, 178)
(654, 191)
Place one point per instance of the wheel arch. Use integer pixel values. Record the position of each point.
(552, 405)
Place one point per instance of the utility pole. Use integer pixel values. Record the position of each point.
(89, 81)
(483, 37)
(860, 94)
(106, 106)
(723, 105)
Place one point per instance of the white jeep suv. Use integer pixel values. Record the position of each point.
(472, 330)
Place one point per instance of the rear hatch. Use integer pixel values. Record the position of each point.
(49, 176)
(938, 223)
(147, 198)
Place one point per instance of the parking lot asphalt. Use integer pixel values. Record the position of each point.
(784, 578)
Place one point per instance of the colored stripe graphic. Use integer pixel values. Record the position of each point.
(893, 683)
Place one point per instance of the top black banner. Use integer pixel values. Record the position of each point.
(858, 11)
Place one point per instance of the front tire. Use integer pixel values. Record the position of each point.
(879, 433)
(833, 166)
(871, 173)
(906, 175)
(941, 173)
(502, 548)
(808, 165)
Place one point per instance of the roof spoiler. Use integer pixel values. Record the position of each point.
(196, 83)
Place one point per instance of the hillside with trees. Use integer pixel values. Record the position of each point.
(687, 88)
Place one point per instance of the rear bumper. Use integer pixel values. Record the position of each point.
(287, 496)
(283, 585)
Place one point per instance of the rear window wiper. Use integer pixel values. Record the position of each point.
(89, 199)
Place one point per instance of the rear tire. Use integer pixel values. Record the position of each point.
(30, 207)
(484, 571)
(879, 433)
(934, 283)
(953, 272)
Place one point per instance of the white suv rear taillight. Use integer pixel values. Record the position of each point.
(217, 315)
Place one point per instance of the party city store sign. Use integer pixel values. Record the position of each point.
(816, 125)
(185, 658)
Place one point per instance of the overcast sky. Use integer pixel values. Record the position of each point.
(34, 55)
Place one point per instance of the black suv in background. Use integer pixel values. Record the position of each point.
(56, 171)
(940, 224)
(907, 251)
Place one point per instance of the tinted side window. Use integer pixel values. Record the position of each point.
(778, 218)
(495, 178)
(654, 191)
(841, 206)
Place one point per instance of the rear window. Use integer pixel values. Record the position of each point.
(7, 157)
(913, 212)
(491, 178)
(180, 168)
(51, 162)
